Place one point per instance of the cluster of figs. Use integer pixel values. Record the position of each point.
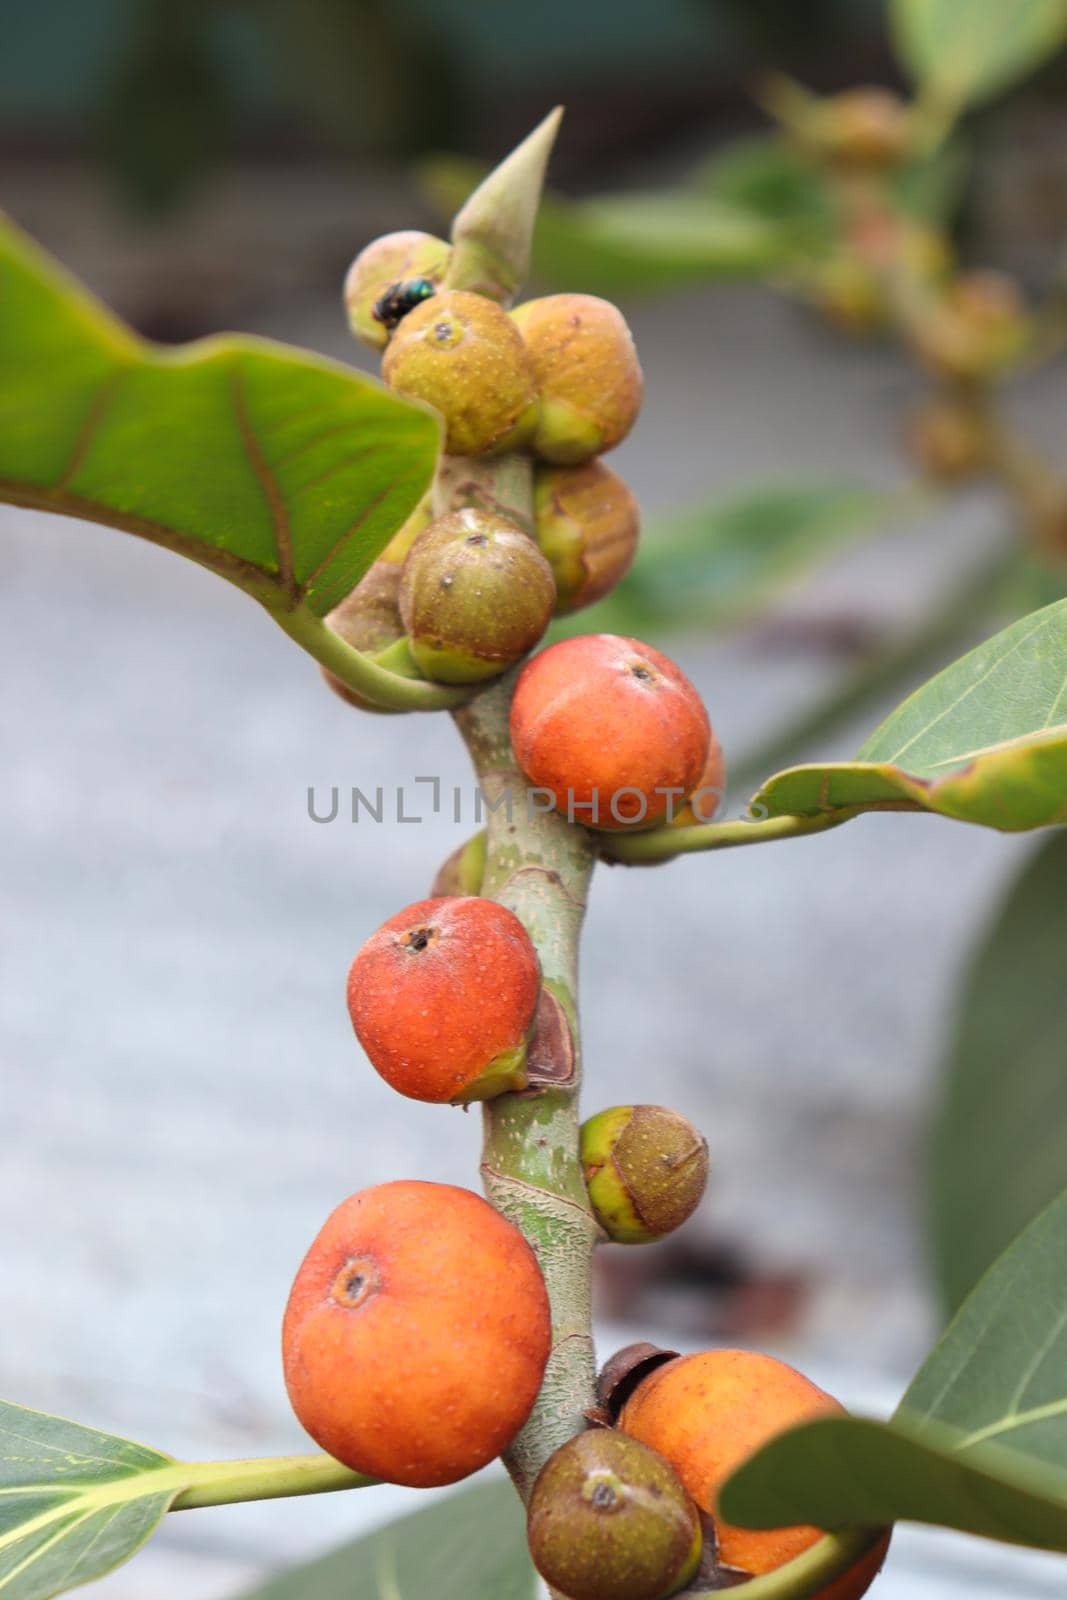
(418, 1332)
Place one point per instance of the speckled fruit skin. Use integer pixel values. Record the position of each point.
(416, 1333)
(707, 1414)
(707, 797)
(388, 260)
(369, 620)
(463, 355)
(645, 1167)
(442, 998)
(476, 596)
(588, 376)
(587, 523)
(606, 713)
(609, 1520)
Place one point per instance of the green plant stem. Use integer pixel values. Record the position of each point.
(538, 866)
(360, 673)
(662, 844)
(224, 1483)
(810, 1573)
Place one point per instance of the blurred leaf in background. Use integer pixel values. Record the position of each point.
(713, 565)
(620, 244)
(999, 1150)
(961, 52)
(469, 1546)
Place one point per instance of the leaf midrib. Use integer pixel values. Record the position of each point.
(170, 1478)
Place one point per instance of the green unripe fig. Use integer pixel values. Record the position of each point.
(586, 522)
(588, 376)
(462, 872)
(608, 1519)
(369, 620)
(464, 356)
(476, 595)
(645, 1168)
(395, 258)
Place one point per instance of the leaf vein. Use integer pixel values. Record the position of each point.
(947, 710)
(276, 505)
(90, 425)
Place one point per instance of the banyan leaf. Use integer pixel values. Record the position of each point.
(471, 1545)
(961, 54)
(628, 243)
(74, 1502)
(985, 741)
(279, 470)
(1004, 1089)
(979, 1441)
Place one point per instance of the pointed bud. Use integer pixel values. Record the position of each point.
(493, 231)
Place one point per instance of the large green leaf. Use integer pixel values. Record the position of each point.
(1005, 1088)
(985, 741)
(964, 51)
(979, 1442)
(284, 472)
(468, 1546)
(73, 1502)
(713, 565)
(632, 242)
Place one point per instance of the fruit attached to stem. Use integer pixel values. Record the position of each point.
(586, 522)
(609, 1520)
(416, 1333)
(646, 1168)
(463, 355)
(476, 596)
(443, 997)
(708, 1413)
(588, 376)
(610, 729)
(393, 259)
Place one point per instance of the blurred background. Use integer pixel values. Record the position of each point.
(184, 1099)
